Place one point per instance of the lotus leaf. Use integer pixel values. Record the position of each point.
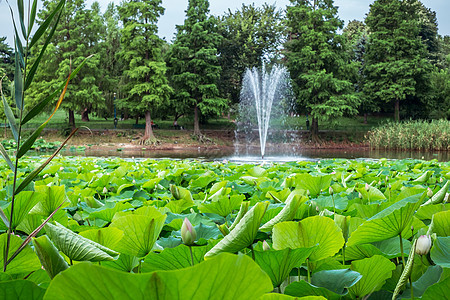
(20, 289)
(307, 233)
(374, 270)
(225, 276)
(243, 234)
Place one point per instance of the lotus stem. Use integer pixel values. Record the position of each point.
(334, 207)
(307, 270)
(343, 255)
(192, 256)
(401, 251)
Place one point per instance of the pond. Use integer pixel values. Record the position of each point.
(273, 154)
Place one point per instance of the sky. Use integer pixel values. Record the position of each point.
(175, 12)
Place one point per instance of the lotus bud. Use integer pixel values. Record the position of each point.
(390, 186)
(266, 246)
(188, 234)
(423, 245)
(441, 180)
(330, 190)
(105, 190)
(367, 187)
(134, 181)
(429, 193)
(359, 195)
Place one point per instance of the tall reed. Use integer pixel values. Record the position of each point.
(411, 135)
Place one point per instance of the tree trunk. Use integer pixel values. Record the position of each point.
(85, 115)
(315, 129)
(397, 111)
(365, 118)
(148, 135)
(71, 119)
(137, 120)
(196, 122)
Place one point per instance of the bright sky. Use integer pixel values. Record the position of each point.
(175, 12)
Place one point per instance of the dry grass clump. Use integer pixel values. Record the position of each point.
(411, 135)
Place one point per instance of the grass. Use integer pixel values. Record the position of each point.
(412, 135)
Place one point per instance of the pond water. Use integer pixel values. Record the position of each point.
(272, 154)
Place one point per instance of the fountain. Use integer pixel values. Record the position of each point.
(263, 95)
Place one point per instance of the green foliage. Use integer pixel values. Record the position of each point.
(251, 35)
(134, 215)
(194, 66)
(411, 135)
(400, 72)
(146, 88)
(319, 64)
(77, 37)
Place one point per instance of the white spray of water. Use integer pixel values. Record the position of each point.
(261, 91)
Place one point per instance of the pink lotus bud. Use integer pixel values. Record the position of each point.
(429, 193)
(423, 245)
(330, 190)
(367, 187)
(105, 190)
(188, 233)
(266, 246)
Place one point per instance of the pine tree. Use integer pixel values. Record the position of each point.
(319, 64)
(77, 37)
(194, 67)
(396, 58)
(147, 85)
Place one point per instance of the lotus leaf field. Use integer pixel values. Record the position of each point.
(330, 229)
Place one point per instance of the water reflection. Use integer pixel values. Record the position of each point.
(273, 154)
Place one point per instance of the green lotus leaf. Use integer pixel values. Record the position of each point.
(303, 289)
(223, 206)
(388, 223)
(140, 233)
(225, 276)
(124, 263)
(52, 198)
(440, 253)
(313, 184)
(25, 262)
(372, 195)
(440, 223)
(279, 263)
(203, 180)
(424, 177)
(317, 230)
(108, 211)
(108, 237)
(337, 281)
(276, 296)
(75, 246)
(437, 291)
(287, 213)
(356, 252)
(243, 234)
(49, 256)
(427, 212)
(430, 277)
(391, 247)
(23, 203)
(374, 270)
(173, 258)
(20, 289)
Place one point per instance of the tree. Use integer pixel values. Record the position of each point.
(146, 82)
(112, 65)
(396, 58)
(194, 66)
(77, 37)
(251, 36)
(6, 59)
(319, 64)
